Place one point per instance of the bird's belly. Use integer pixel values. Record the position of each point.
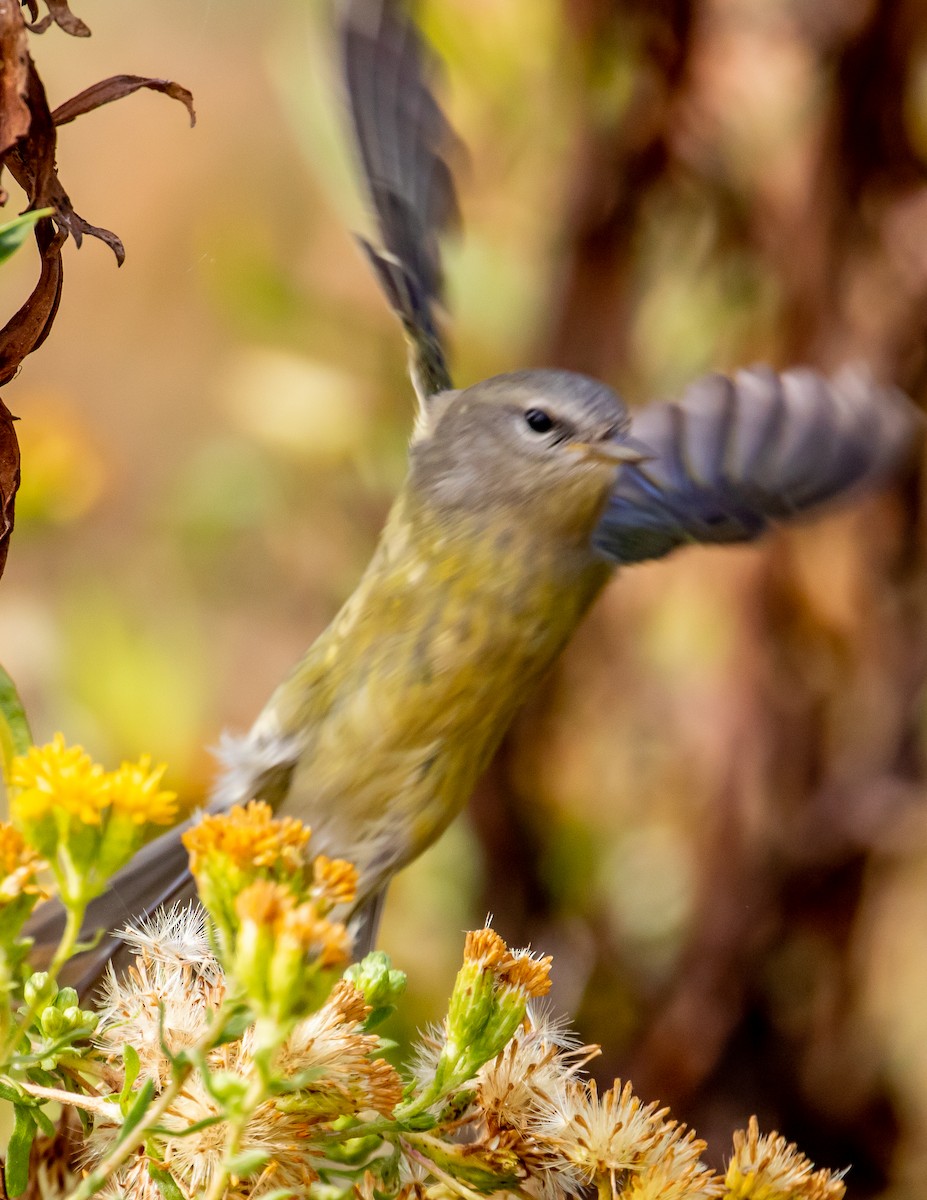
(400, 749)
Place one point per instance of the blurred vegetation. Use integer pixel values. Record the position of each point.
(713, 816)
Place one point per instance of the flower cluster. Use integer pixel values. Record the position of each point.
(270, 904)
(237, 1057)
(87, 822)
(326, 1069)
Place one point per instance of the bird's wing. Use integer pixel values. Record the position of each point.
(735, 456)
(404, 145)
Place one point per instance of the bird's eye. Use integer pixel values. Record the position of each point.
(538, 420)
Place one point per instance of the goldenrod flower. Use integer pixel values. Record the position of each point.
(334, 881)
(484, 948)
(19, 865)
(488, 1004)
(248, 837)
(57, 778)
(766, 1167)
(135, 792)
(282, 952)
(87, 822)
(525, 974)
(231, 850)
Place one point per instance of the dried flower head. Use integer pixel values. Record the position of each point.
(167, 996)
(331, 1045)
(601, 1137)
(673, 1169)
(766, 1167)
(536, 1065)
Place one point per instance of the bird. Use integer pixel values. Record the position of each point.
(525, 493)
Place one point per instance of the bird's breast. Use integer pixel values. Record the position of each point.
(405, 697)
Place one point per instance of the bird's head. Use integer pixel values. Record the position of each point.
(545, 442)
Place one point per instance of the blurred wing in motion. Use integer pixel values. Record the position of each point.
(736, 456)
(404, 143)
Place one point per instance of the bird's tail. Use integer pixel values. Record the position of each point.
(404, 145)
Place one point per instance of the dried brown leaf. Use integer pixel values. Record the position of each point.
(14, 75)
(60, 15)
(115, 88)
(29, 327)
(9, 479)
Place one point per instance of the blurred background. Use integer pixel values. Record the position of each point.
(713, 815)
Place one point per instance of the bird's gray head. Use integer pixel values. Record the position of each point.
(551, 440)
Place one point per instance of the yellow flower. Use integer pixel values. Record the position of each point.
(485, 948)
(273, 907)
(135, 792)
(334, 881)
(85, 821)
(58, 778)
(282, 951)
(19, 864)
(249, 837)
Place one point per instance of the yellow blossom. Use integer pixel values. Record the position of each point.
(58, 778)
(530, 976)
(273, 906)
(282, 951)
(485, 948)
(135, 792)
(334, 881)
(249, 836)
(19, 865)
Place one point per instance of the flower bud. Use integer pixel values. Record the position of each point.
(40, 989)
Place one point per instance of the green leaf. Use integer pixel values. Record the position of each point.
(16, 1171)
(137, 1112)
(164, 1181)
(247, 1163)
(15, 737)
(11, 1093)
(15, 232)
(131, 1065)
(45, 1123)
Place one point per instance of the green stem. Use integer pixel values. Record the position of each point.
(125, 1149)
(254, 1096)
(72, 924)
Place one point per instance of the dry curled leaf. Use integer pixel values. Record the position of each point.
(58, 14)
(28, 143)
(115, 88)
(9, 479)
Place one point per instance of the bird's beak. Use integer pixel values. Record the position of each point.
(615, 451)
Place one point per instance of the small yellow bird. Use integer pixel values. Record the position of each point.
(523, 493)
